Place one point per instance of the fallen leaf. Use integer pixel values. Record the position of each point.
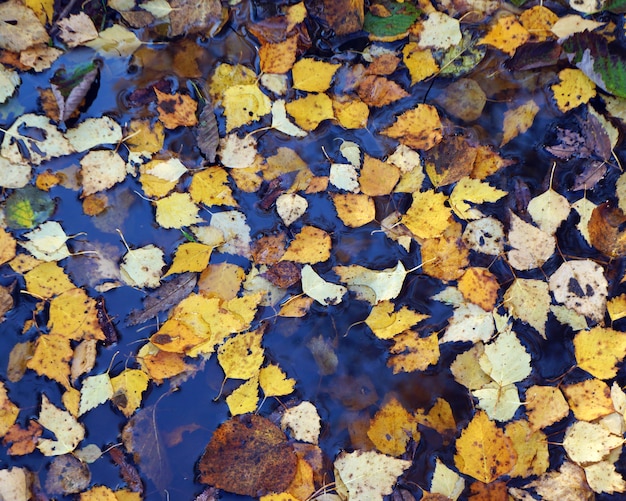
(367, 476)
(507, 34)
(311, 110)
(20, 27)
(392, 427)
(128, 388)
(574, 89)
(316, 287)
(142, 439)
(483, 451)
(428, 216)
(176, 110)
(589, 400)
(599, 350)
(312, 245)
(67, 430)
(244, 104)
(418, 128)
(518, 120)
(529, 301)
(176, 210)
(312, 75)
(190, 256)
(545, 405)
(589, 442)
(274, 382)
(248, 455)
(531, 246)
(411, 353)
(373, 286)
(241, 356)
(303, 422)
(142, 267)
(582, 287)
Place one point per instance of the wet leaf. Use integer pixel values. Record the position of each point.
(70, 89)
(484, 452)
(248, 455)
(67, 430)
(142, 439)
(207, 133)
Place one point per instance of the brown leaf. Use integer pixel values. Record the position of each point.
(248, 455)
(67, 475)
(604, 230)
(128, 471)
(379, 91)
(163, 298)
(450, 161)
(6, 300)
(23, 440)
(143, 440)
(194, 16)
(175, 110)
(283, 274)
(207, 133)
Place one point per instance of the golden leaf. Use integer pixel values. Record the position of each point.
(483, 451)
(418, 128)
(392, 427)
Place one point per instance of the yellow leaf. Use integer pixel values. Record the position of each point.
(44, 9)
(599, 350)
(480, 286)
(589, 442)
(244, 104)
(47, 280)
(602, 477)
(506, 360)
(67, 430)
(190, 256)
(144, 137)
(567, 483)
(241, 356)
(538, 20)
(161, 364)
(309, 111)
(317, 288)
(507, 35)
(176, 110)
(71, 401)
(98, 493)
(142, 267)
(531, 447)
(617, 307)
(8, 411)
(51, 358)
(499, 401)
(311, 75)
(419, 128)
(158, 178)
(589, 400)
(354, 209)
(128, 387)
(529, 301)
(95, 391)
(228, 75)
(574, 89)
(411, 353)
(392, 427)
(176, 336)
(274, 382)
(296, 307)
(474, 191)
(176, 210)
(549, 210)
(304, 422)
(377, 177)
(428, 215)
(531, 247)
(518, 120)
(73, 315)
(483, 451)
(312, 245)
(244, 398)
(420, 62)
(446, 482)
(387, 323)
(278, 57)
(446, 256)
(367, 476)
(210, 187)
(222, 280)
(545, 405)
(373, 286)
(7, 246)
(439, 418)
(351, 113)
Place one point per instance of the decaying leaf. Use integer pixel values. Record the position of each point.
(248, 455)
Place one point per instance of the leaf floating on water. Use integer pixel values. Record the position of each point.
(248, 455)
(207, 134)
(164, 298)
(70, 90)
(28, 207)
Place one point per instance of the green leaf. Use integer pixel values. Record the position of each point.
(590, 53)
(28, 207)
(615, 6)
(402, 17)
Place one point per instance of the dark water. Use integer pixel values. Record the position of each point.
(362, 357)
